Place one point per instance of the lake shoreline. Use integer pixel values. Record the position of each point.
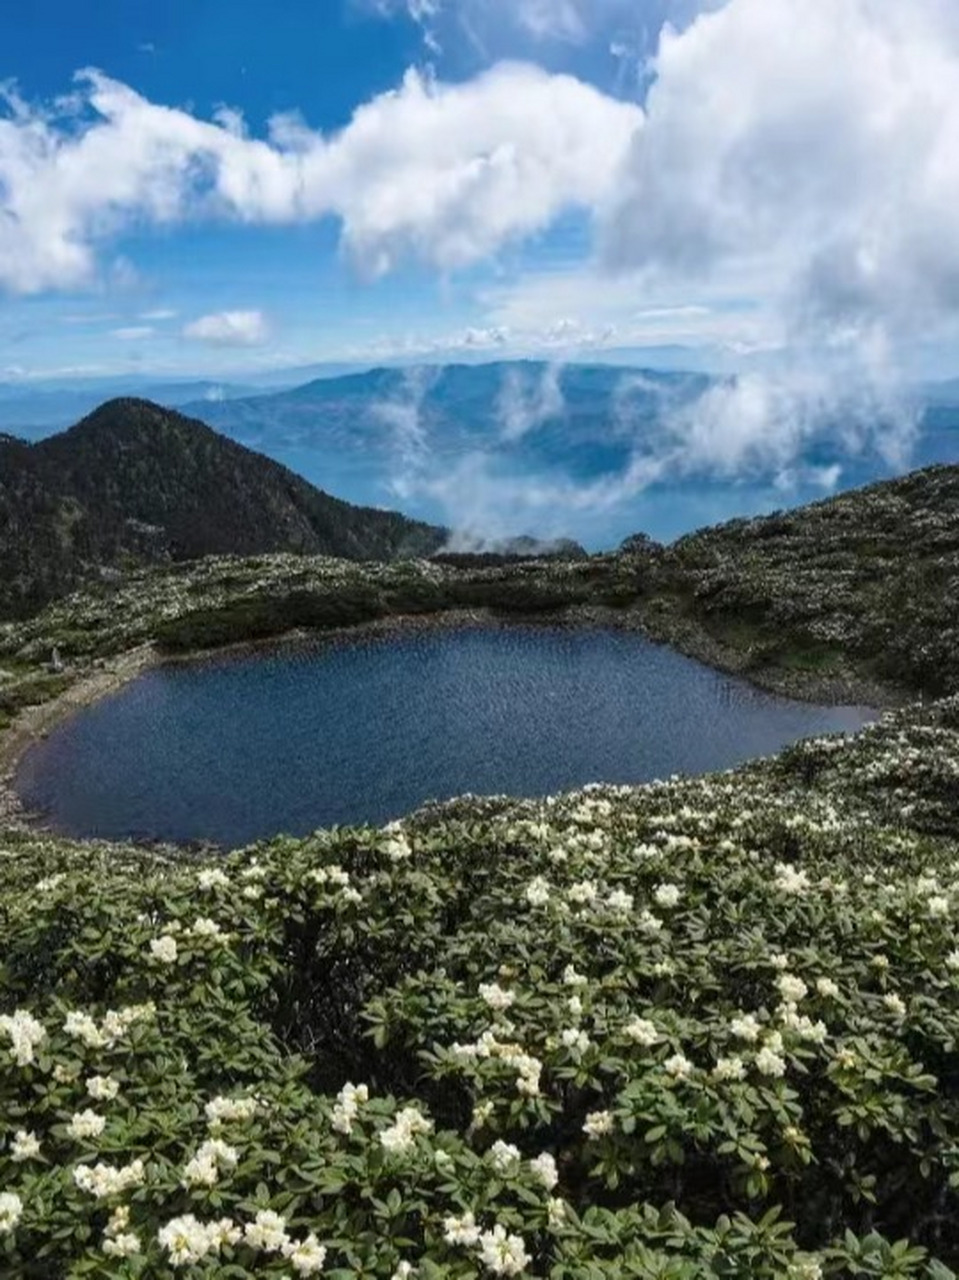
(35, 722)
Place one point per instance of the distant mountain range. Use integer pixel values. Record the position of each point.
(499, 449)
(135, 483)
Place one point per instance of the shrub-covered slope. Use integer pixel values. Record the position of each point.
(699, 1028)
(870, 576)
(134, 483)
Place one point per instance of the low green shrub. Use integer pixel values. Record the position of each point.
(699, 1028)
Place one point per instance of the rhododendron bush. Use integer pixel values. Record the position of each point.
(705, 1027)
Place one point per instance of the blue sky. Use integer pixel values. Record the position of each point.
(761, 186)
(320, 59)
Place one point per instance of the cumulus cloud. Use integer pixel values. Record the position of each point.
(443, 173)
(830, 158)
(229, 329)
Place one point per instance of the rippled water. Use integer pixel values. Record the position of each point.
(238, 747)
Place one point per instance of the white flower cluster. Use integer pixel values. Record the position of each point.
(745, 1026)
(538, 892)
(598, 1123)
(114, 1026)
(499, 1252)
(575, 1040)
(334, 877)
(49, 883)
(642, 1031)
(204, 1169)
(679, 1067)
(24, 1145)
(543, 1167)
(204, 927)
(791, 988)
(790, 880)
(102, 1088)
(498, 999)
(504, 1156)
(667, 895)
(118, 1240)
(527, 1067)
(164, 949)
(86, 1124)
(400, 1136)
(397, 848)
(188, 1241)
(104, 1180)
(620, 902)
(769, 1059)
(25, 1034)
(213, 878)
(11, 1211)
(347, 1106)
(729, 1069)
(220, 1111)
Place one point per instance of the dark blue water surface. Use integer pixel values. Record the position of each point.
(233, 748)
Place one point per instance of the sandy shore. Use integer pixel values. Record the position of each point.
(34, 723)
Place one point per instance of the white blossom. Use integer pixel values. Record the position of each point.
(306, 1257)
(86, 1124)
(461, 1230)
(220, 1111)
(104, 1180)
(24, 1146)
(495, 996)
(504, 1156)
(347, 1107)
(538, 892)
(544, 1169)
(598, 1123)
(791, 988)
(667, 895)
(102, 1088)
(11, 1211)
(895, 1004)
(400, 1136)
(213, 878)
(164, 949)
(25, 1034)
(679, 1066)
(642, 1031)
(267, 1232)
(769, 1062)
(729, 1069)
(502, 1254)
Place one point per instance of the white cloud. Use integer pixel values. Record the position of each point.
(443, 173)
(159, 315)
(528, 399)
(816, 143)
(229, 329)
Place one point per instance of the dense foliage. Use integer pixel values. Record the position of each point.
(871, 576)
(701, 1027)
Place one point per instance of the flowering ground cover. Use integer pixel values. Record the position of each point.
(706, 1027)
